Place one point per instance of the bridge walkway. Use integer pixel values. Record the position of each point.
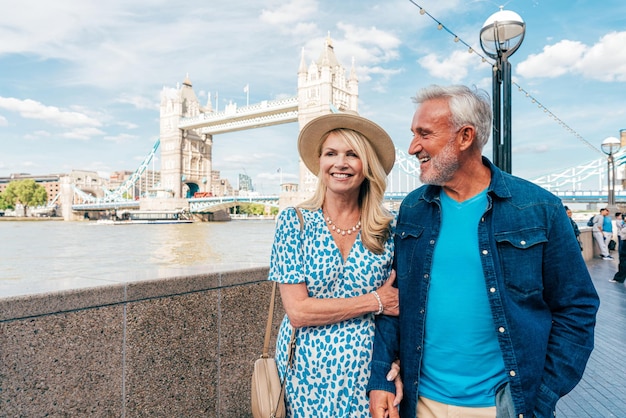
(602, 391)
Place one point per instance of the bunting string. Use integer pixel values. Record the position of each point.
(471, 50)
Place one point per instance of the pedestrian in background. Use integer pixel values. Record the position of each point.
(620, 276)
(607, 230)
(568, 211)
(619, 224)
(598, 235)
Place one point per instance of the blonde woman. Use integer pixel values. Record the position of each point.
(335, 274)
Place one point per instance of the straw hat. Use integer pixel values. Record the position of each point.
(313, 132)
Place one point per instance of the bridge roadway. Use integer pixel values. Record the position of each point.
(212, 204)
(207, 204)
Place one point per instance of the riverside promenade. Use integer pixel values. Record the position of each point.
(602, 391)
(182, 345)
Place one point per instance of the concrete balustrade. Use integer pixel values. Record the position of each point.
(176, 347)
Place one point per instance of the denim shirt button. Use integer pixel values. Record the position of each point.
(485, 252)
(512, 373)
(432, 242)
(501, 329)
(523, 242)
(492, 289)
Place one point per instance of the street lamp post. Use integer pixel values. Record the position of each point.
(501, 35)
(610, 146)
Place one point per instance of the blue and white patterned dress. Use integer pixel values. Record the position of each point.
(332, 362)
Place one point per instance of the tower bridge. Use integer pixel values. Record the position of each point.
(187, 131)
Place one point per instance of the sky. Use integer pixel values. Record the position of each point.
(80, 80)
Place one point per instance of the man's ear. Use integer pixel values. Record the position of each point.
(467, 136)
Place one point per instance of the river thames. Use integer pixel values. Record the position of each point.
(43, 256)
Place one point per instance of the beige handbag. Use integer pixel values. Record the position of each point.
(267, 390)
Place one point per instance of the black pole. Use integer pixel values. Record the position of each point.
(495, 135)
(506, 117)
(611, 178)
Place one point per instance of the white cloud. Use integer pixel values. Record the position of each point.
(290, 12)
(139, 102)
(3, 121)
(31, 109)
(121, 138)
(603, 61)
(369, 45)
(554, 61)
(453, 68)
(127, 125)
(606, 60)
(82, 134)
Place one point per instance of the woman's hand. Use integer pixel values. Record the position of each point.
(389, 296)
(394, 374)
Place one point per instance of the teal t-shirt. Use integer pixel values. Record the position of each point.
(462, 364)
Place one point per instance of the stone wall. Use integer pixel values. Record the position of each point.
(176, 347)
(179, 347)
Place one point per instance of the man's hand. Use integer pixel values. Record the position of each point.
(381, 404)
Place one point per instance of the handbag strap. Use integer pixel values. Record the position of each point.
(270, 314)
(268, 327)
(292, 342)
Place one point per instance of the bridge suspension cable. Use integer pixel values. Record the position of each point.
(458, 39)
(118, 194)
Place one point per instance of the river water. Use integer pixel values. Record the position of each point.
(41, 256)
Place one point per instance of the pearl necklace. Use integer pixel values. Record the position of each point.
(342, 231)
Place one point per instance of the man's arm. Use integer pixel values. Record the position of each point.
(380, 390)
(573, 301)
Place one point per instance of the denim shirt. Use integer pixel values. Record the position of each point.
(542, 299)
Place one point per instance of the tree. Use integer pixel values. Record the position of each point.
(3, 203)
(27, 192)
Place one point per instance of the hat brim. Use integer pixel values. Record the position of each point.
(311, 136)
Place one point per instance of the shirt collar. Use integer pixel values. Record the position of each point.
(497, 187)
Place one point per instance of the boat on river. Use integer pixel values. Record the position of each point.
(148, 217)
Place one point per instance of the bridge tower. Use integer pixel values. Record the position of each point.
(187, 128)
(323, 85)
(186, 161)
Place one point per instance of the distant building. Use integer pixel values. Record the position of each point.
(149, 180)
(245, 183)
(89, 182)
(220, 186)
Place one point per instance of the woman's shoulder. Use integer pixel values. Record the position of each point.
(292, 214)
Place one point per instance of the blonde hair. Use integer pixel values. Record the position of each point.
(375, 218)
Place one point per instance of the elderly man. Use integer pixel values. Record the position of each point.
(497, 309)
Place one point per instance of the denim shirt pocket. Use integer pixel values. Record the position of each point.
(407, 242)
(521, 260)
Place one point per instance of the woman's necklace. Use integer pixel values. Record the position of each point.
(342, 231)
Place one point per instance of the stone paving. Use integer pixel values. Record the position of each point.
(602, 391)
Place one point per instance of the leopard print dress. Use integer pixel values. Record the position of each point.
(332, 362)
